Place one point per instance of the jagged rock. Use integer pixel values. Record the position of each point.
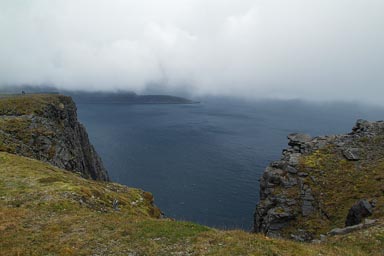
(297, 139)
(361, 126)
(278, 164)
(352, 154)
(273, 176)
(358, 211)
(279, 218)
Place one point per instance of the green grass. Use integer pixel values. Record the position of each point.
(48, 211)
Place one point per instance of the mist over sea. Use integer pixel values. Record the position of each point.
(202, 161)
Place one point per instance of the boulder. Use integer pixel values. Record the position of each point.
(358, 212)
(352, 154)
(298, 139)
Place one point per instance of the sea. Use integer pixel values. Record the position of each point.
(203, 162)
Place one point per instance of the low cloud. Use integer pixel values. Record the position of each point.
(315, 50)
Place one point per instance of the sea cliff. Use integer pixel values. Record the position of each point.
(45, 127)
(316, 183)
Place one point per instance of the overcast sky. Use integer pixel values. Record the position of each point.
(308, 49)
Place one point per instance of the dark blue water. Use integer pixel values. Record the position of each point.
(202, 162)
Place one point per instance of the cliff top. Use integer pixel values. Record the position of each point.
(45, 127)
(46, 210)
(29, 104)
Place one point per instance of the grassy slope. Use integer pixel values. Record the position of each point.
(48, 211)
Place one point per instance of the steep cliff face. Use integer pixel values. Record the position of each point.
(45, 127)
(312, 188)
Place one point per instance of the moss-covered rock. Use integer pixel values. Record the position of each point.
(331, 174)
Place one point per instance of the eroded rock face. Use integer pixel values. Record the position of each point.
(286, 188)
(53, 134)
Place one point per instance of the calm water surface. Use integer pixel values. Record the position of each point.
(202, 162)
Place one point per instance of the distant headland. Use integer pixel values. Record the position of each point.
(127, 98)
(119, 97)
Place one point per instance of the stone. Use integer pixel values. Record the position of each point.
(308, 196)
(294, 159)
(342, 231)
(307, 208)
(278, 164)
(115, 204)
(272, 176)
(291, 202)
(358, 212)
(298, 139)
(291, 169)
(302, 174)
(288, 182)
(352, 154)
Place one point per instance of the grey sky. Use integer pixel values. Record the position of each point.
(309, 49)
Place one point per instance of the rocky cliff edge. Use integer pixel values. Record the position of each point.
(318, 183)
(45, 127)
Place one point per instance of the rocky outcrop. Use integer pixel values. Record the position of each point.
(45, 127)
(312, 185)
(358, 212)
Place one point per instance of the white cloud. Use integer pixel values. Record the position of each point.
(311, 49)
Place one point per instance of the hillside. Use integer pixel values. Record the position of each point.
(46, 210)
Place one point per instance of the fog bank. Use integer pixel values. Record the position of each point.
(312, 50)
